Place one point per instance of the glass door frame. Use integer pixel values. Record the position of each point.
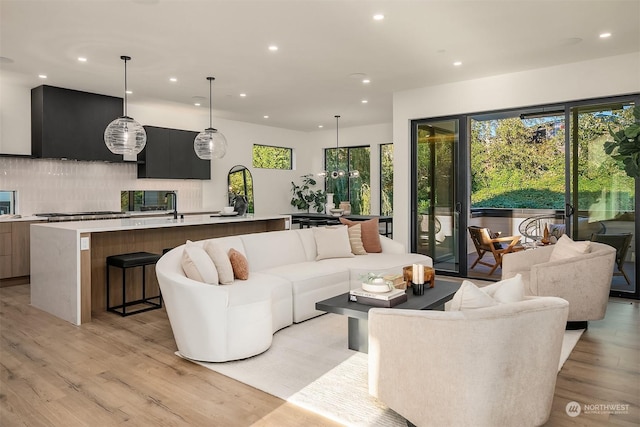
(460, 169)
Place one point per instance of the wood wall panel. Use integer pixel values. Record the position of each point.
(153, 240)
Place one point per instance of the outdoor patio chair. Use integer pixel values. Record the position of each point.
(621, 243)
(487, 242)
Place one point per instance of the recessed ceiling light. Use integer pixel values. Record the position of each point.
(273, 48)
(266, 117)
(320, 126)
(364, 101)
(129, 92)
(243, 95)
(378, 17)
(173, 79)
(42, 76)
(457, 63)
(605, 35)
(197, 104)
(82, 59)
(366, 81)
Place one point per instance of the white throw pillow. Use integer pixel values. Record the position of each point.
(197, 264)
(469, 296)
(221, 260)
(567, 248)
(507, 290)
(332, 242)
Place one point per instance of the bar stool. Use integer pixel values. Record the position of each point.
(131, 260)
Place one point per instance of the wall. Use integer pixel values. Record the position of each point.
(610, 76)
(71, 186)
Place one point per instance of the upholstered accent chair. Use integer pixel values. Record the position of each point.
(493, 366)
(583, 280)
(487, 242)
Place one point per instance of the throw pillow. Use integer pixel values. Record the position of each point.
(370, 233)
(469, 296)
(355, 240)
(239, 264)
(221, 261)
(567, 248)
(507, 290)
(197, 264)
(332, 242)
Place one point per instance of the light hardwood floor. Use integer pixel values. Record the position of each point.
(117, 371)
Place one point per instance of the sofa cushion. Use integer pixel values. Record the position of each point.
(239, 265)
(332, 242)
(567, 248)
(197, 264)
(507, 290)
(221, 261)
(355, 240)
(267, 250)
(370, 233)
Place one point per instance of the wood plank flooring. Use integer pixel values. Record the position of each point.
(116, 371)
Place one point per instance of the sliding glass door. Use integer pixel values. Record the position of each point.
(436, 188)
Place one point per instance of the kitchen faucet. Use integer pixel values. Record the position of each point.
(175, 203)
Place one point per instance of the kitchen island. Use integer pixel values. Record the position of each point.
(68, 259)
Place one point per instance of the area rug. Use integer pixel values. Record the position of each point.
(310, 366)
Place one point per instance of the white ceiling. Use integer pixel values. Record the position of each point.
(321, 44)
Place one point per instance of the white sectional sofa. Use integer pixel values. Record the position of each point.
(217, 323)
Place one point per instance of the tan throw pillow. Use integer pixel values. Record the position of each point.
(567, 248)
(197, 264)
(469, 296)
(370, 234)
(239, 264)
(355, 240)
(221, 261)
(332, 242)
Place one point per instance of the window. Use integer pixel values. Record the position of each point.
(131, 201)
(386, 179)
(7, 202)
(268, 157)
(356, 190)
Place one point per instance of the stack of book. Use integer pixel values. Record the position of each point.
(384, 299)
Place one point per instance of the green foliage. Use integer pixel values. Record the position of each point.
(625, 147)
(268, 157)
(386, 179)
(305, 198)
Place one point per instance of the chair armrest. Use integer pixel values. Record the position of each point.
(521, 262)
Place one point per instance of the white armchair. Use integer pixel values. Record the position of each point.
(493, 366)
(584, 280)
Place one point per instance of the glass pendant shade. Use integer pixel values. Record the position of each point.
(210, 144)
(125, 136)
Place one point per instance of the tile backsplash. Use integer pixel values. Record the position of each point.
(46, 185)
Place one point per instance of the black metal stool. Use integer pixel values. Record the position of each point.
(124, 261)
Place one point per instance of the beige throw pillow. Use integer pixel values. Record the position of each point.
(355, 240)
(370, 234)
(507, 290)
(221, 261)
(567, 248)
(469, 296)
(197, 264)
(332, 242)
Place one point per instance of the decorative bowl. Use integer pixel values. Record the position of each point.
(377, 287)
(336, 212)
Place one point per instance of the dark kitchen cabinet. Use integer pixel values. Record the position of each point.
(70, 124)
(169, 154)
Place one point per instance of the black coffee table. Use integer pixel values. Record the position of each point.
(432, 299)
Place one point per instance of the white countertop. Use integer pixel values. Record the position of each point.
(101, 225)
(12, 218)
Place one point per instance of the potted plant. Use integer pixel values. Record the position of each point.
(625, 146)
(305, 198)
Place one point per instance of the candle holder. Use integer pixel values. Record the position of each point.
(418, 288)
(429, 276)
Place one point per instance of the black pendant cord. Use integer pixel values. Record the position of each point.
(337, 146)
(211, 79)
(125, 59)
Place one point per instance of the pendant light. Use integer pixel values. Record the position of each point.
(338, 173)
(124, 135)
(210, 143)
